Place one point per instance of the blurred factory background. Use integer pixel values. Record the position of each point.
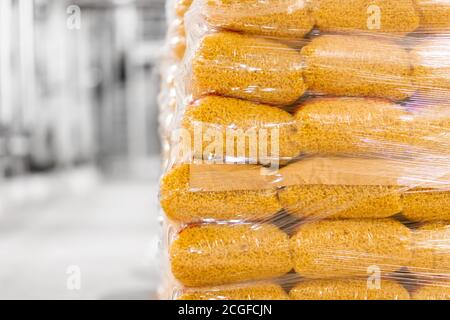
(79, 148)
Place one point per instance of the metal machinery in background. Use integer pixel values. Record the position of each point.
(74, 96)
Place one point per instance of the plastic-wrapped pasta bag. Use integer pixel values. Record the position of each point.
(368, 126)
(246, 67)
(366, 66)
(309, 154)
(221, 118)
(188, 201)
(216, 254)
(340, 248)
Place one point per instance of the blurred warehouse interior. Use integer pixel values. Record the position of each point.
(77, 108)
(72, 97)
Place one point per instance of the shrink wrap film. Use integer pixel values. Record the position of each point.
(339, 248)
(247, 67)
(349, 65)
(307, 150)
(218, 254)
(380, 16)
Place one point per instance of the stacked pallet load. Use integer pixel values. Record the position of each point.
(310, 154)
(174, 48)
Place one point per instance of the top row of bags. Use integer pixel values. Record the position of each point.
(270, 71)
(296, 18)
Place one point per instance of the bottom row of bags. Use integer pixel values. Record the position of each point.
(353, 289)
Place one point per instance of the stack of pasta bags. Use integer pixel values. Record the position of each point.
(175, 45)
(311, 151)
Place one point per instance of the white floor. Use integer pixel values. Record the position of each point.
(101, 243)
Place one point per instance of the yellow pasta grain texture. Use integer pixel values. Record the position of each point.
(345, 248)
(426, 205)
(356, 126)
(275, 18)
(247, 67)
(348, 289)
(376, 16)
(219, 254)
(316, 202)
(347, 65)
(183, 204)
(245, 126)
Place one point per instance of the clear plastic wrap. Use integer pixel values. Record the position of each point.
(246, 67)
(181, 7)
(310, 152)
(175, 46)
(167, 103)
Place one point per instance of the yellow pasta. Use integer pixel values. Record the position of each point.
(348, 289)
(358, 66)
(219, 254)
(345, 248)
(246, 67)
